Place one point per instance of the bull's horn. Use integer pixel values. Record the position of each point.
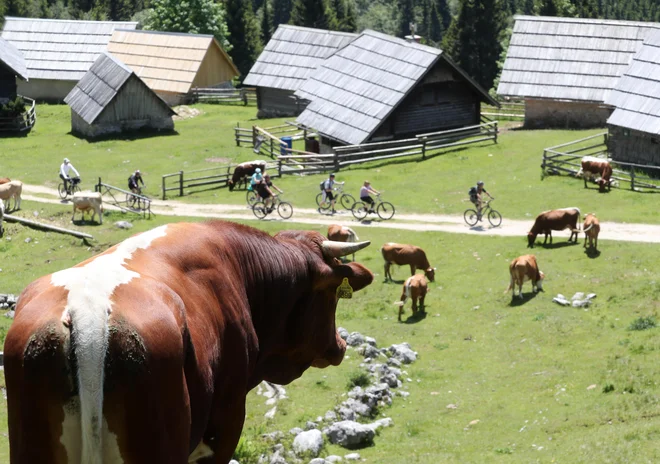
(338, 249)
(588, 228)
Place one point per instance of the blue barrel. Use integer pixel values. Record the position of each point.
(287, 143)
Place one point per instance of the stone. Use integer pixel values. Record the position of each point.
(578, 296)
(343, 333)
(334, 458)
(271, 413)
(310, 425)
(386, 422)
(581, 303)
(371, 341)
(391, 380)
(273, 436)
(350, 434)
(330, 416)
(233, 461)
(394, 362)
(368, 351)
(318, 461)
(591, 296)
(403, 393)
(309, 442)
(356, 407)
(355, 339)
(352, 457)
(561, 301)
(296, 431)
(28, 240)
(123, 224)
(403, 353)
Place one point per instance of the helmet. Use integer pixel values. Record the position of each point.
(137, 171)
(66, 160)
(258, 170)
(332, 175)
(481, 182)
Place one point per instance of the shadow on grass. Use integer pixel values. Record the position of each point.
(127, 136)
(592, 253)
(517, 301)
(394, 281)
(86, 222)
(553, 246)
(415, 318)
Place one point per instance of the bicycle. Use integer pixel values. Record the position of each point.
(137, 200)
(384, 209)
(284, 208)
(251, 196)
(346, 200)
(471, 216)
(72, 188)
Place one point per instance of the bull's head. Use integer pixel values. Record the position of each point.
(531, 238)
(430, 274)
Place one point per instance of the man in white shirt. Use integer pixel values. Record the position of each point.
(327, 188)
(65, 168)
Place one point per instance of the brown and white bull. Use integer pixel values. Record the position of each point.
(11, 190)
(415, 288)
(88, 201)
(522, 269)
(245, 170)
(400, 254)
(598, 168)
(591, 229)
(146, 352)
(345, 234)
(556, 219)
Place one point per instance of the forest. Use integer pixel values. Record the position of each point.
(474, 33)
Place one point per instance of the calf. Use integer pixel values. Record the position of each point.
(591, 228)
(86, 201)
(245, 170)
(338, 233)
(522, 269)
(592, 167)
(4, 180)
(415, 288)
(399, 254)
(11, 189)
(556, 219)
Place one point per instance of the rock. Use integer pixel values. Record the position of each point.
(355, 339)
(35, 213)
(123, 224)
(271, 413)
(368, 351)
(10, 314)
(371, 341)
(352, 457)
(296, 431)
(27, 240)
(334, 458)
(474, 422)
(394, 362)
(318, 461)
(386, 422)
(578, 296)
(403, 393)
(591, 296)
(591, 387)
(403, 353)
(233, 461)
(343, 333)
(310, 442)
(350, 434)
(391, 380)
(273, 436)
(309, 425)
(452, 406)
(581, 303)
(330, 416)
(561, 301)
(352, 406)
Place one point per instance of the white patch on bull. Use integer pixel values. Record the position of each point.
(407, 286)
(202, 451)
(71, 434)
(89, 303)
(352, 236)
(573, 208)
(111, 451)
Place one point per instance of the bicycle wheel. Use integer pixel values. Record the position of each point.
(285, 210)
(130, 200)
(259, 209)
(62, 191)
(251, 197)
(347, 200)
(319, 199)
(75, 189)
(325, 205)
(385, 210)
(471, 217)
(359, 210)
(495, 218)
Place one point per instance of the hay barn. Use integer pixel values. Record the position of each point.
(172, 64)
(290, 56)
(57, 52)
(12, 66)
(380, 88)
(565, 68)
(110, 98)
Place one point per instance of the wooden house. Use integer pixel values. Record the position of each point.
(380, 88)
(12, 66)
(634, 126)
(172, 64)
(290, 56)
(57, 52)
(565, 68)
(110, 98)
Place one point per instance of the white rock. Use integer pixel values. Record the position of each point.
(561, 301)
(310, 442)
(578, 296)
(352, 457)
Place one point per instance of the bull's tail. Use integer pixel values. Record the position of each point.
(510, 287)
(352, 236)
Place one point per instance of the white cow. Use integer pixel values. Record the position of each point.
(11, 189)
(85, 201)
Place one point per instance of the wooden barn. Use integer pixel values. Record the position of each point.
(12, 66)
(172, 64)
(380, 88)
(634, 126)
(110, 98)
(290, 56)
(57, 52)
(565, 68)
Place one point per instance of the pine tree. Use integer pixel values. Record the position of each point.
(529, 7)
(431, 28)
(345, 15)
(312, 13)
(266, 23)
(16, 8)
(445, 13)
(281, 12)
(548, 8)
(244, 34)
(406, 16)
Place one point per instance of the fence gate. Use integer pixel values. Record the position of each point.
(125, 200)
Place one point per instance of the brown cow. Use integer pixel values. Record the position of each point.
(522, 269)
(591, 229)
(146, 352)
(244, 170)
(4, 180)
(11, 190)
(556, 219)
(414, 288)
(593, 167)
(399, 254)
(338, 233)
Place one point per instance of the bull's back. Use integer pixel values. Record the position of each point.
(401, 254)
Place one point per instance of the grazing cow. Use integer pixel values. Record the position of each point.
(556, 219)
(245, 170)
(415, 288)
(338, 233)
(522, 269)
(4, 180)
(598, 168)
(146, 352)
(591, 229)
(395, 253)
(11, 189)
(88, 201)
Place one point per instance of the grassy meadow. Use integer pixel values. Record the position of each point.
(546, 383)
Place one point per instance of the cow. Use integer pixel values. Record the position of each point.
(556, 219)
(88, 201)
(339, 233)
(4, 180)
(146, 352)
(399, 254)
(11, 189)
(599, 168)
(2, 217)
(245, 170)
(414, 288)
(591, 229)
(522, 269)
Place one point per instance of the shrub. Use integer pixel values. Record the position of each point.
(358, 379)
(12, 108)
(643, 323)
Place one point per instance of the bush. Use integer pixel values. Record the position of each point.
(643, 323)
(13, 108)
(358, 379)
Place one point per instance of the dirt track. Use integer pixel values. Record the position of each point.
(418, 222)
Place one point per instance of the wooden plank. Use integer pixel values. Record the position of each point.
(40, 225)
(379, 158)
(384, 150)
(600, 134)
(456, 144)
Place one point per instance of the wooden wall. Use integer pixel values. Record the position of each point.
(47, 90)
(553, 114)
(214, 69)
(7, 83)
(630, 146)
(275, 103)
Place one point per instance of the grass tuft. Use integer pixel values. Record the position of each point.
(643, 323)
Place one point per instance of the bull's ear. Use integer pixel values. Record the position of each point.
(357, 275)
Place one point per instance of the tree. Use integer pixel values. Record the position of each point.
(431, 28)
(281, 12)
(406, 16)
(444, 12)
(345, 15)
(16, 8)
(266, 23)
(244, 34)
(312, 13)
(548, 8)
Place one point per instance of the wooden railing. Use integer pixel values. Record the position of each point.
(21, 123)
(244, 95)
(118, 197)
(508, 110)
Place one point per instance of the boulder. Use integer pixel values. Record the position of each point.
(352, 457)
(350, 434)
(386, 422)
(355, 339)
(343, 333)
(309, 442)
(368, 351)
(334, 458)
(403, 353)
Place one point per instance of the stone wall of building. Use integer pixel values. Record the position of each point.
(553, 114)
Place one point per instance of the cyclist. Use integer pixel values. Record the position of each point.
(65, 168)
(265, 192)
(476, 196)
(256, 179)
(365, 190)
(133, 182)
(328, 187)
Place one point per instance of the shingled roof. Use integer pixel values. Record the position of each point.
(13, 59)
(59, 49)
(292, 54)
(569, 58)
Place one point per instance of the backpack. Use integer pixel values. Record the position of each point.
(322, 185)
(472, 191)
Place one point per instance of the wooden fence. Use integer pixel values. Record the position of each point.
(123, 199)
(508, 110)
(244, 96)
(566, 159)
(21, 123)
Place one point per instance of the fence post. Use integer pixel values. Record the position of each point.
(98, 187)
(163, 187)
(336, 160)
(632, 179)
(424, 149)
(496, 131)
(279, 167)
(254, 136)
(180, 183)
(237, 133)
(271, 148)
(543, 165)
